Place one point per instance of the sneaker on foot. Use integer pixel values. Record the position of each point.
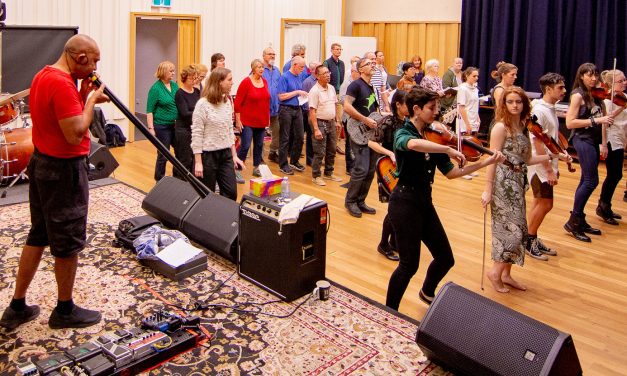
(78, 318)
(533, 250)
(239, 177)
(273, 157)
(425, 298)
(319, 181)
(332, 177)
(11, 318)
(256, 172)
(544, 249)
(286, 171)
(297, 166)
(467, 177)
(474, 174)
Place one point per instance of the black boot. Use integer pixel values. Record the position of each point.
(605, 212)
(585, 227)
(573, 226)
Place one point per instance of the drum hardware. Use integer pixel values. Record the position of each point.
(21, 175)
(12, 105)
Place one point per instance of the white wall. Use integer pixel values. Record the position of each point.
(401, 10)
(240, 29)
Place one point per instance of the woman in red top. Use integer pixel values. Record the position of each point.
(252, 113)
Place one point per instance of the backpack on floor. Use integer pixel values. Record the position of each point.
(114, 135)
(130, 229)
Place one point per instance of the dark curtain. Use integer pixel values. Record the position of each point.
(540, 36)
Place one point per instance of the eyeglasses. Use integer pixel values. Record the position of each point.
(370, 63)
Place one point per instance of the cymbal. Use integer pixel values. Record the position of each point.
(14, 97)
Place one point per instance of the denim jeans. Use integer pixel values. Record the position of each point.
(324, 148)
(348, 154)
(362, 174)
(290, 122)
(614, 167)
(588, 154)
(309, 151)
(254, 135)
(165, 134)
(275, 132)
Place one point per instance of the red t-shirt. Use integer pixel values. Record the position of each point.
(53, 97)
(253, 104)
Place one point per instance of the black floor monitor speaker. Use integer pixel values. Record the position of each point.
(284, 260)
(469, 334)
(102, 163)
(170, 200)
(213, 223)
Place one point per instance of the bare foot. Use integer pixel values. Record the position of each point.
(510, 281)
(497, 283)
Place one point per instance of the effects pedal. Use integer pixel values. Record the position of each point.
(162, 321)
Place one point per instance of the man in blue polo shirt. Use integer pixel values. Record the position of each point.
(272, 74)
(291, 117)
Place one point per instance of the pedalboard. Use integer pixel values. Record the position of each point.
(124, 352)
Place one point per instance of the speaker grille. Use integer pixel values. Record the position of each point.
(489, 334)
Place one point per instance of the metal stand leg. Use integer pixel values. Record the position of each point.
(21, 175)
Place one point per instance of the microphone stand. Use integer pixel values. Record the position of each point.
(198, 186)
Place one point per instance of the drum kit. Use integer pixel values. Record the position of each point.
(16, 145)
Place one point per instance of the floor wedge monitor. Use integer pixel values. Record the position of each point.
(469, 334)
(170, 200)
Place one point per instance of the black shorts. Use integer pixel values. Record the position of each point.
(540, 189)
(59, 197)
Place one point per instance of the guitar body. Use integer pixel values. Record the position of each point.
(386, 172)
(359, 132)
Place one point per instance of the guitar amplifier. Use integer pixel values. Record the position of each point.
(285, 260)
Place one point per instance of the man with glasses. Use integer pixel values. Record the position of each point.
(359, 103)
(337, 70)
(271, 74)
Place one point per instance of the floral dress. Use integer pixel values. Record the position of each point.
(509, 222)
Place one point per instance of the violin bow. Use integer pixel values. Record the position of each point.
(458, 130)
(613, 82)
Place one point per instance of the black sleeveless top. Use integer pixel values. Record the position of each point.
(588, 110)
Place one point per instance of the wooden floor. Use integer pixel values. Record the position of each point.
(582, 291)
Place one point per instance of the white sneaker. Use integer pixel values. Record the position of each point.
(319, 181)
(474, 174)
(467, 177)
(332, 177)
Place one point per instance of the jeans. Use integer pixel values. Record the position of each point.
(614, 166)
(348, 155)
(165, 134)
(309, 151)
(183, 148)
(255, 135)
(275, 132)
(217, 166)
(362, 173)
(588, 154)
(290, 122)
(324, 148)
(415, 220)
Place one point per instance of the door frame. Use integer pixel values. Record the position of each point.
(323, 35)
(134, 16)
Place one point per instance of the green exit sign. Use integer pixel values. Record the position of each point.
(162, 3)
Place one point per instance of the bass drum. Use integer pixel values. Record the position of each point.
(16, 148)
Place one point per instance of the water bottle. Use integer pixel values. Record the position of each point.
(285, 188)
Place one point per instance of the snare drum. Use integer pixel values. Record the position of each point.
(7, 113)
(16, 147)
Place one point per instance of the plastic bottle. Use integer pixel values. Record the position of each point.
(285, 188)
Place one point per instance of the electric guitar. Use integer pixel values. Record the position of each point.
(386, 172)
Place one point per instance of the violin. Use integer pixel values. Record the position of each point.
(471, 146)
(620, 99)
(555, 147)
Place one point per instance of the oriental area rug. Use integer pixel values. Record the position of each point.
(345, 335)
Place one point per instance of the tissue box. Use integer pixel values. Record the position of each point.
(265, 187)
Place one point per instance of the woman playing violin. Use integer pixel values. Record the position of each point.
(411, 209)
(615, 80)
(543, 176)
(586, 115)
(506, 185)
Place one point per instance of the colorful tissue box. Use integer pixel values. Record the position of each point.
(265, 187)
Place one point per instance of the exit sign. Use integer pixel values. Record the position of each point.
(162, 3)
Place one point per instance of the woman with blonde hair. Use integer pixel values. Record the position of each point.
(616, 82)
(213, 142)
(505, 76)
(431, 80)
(201, 75)
(505, 187)
(161, 111)
(252, 113)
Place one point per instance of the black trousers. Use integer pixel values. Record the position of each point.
(183, 148)
(614, 167)
(217, 167)
(415, 220)
(290, 122)
(362, 174)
